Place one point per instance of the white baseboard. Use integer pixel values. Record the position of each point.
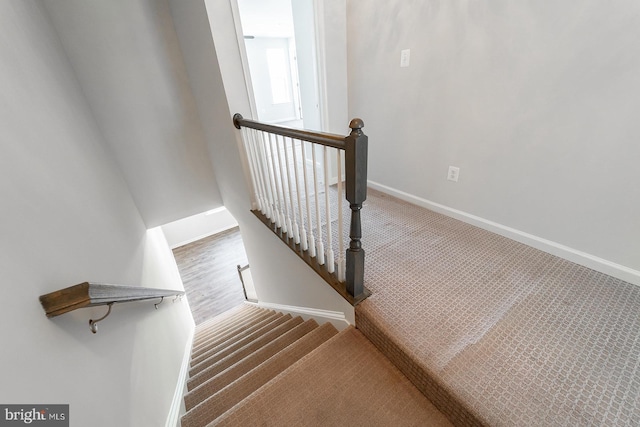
(176, 409)
(336, 318)
(585, 259)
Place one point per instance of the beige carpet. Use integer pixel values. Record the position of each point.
(496, 332)
(346, 382)
(309, 375)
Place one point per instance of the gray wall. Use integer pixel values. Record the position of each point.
(66, 216)
(536, 102)
(129, 65)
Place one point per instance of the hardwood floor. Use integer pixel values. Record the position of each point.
(208, 268)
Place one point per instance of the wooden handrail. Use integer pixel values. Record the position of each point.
(327, 139)
(89, 294)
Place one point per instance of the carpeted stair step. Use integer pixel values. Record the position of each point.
(232, 330)
(239, 335)
(225, 399)
(221, 322)
(209, 371)
(216, 335)
(346, 381)
(220, 335)
(215, 384)
(221, 319)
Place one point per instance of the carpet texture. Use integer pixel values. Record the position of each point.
(309, 375)
(346, 382)
(496, 332)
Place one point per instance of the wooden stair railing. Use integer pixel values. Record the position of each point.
(90, 294)
(284, 196)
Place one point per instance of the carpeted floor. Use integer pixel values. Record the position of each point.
(494, 331)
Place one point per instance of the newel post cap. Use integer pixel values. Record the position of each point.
(356, 124)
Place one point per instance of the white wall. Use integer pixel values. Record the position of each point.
(129, 65)
(196, 227)
(536, 102)
(278, 274)
(67, 216)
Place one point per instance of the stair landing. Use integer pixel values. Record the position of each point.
(496, 332)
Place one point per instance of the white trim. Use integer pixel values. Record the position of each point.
(202, 236)
(585, 259)
(321, 62)
(237, 22)
(176, 409)
(336, 318)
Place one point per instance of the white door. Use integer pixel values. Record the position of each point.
(266, 24)
(271, 77)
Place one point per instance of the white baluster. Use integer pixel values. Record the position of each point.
(287, 218)
(262, 186)
(294, 222)
(252, 168)
(341, 253)
(264, 193)
(330, 256)
(280, 223)
(266, 175)
(303, 231)
(319, 244)
(312, 240)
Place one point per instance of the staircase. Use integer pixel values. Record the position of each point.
(251, 366)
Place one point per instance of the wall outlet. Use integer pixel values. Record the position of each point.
(405, 56)
(453, 174)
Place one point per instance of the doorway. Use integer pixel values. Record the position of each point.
(281, 62)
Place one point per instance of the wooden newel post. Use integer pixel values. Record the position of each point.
(356, 194)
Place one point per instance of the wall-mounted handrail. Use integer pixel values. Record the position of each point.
(89, 294)
(271, 151)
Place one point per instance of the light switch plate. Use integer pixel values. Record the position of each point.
(405, 56)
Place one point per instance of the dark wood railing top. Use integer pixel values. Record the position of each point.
(328, 139)
(92, 294)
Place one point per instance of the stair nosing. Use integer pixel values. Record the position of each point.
(237, 334)
(288, 338)
(220, 364)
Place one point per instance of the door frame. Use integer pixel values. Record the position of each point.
(320, 53)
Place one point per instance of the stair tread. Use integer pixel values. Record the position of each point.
(240, 353)
(230, 340)
(225, 399)
(224, 378)
(223, 319)
(220, 335)
(346, 381)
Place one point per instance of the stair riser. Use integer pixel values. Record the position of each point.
(215, 384)
(223, 319)
(424, 381)
(232, 345)
(230, 330)
(240, 354)
(217, 404)
(230, 339)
